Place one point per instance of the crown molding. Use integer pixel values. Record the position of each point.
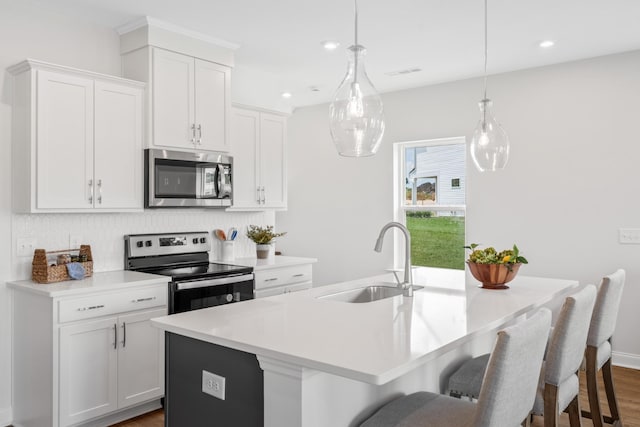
(147, 21)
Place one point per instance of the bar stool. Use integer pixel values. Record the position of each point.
(598, 354)
(558, 387)
(507, 394)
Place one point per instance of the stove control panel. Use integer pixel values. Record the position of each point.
(141, 245)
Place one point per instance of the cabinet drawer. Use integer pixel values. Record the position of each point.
(282, 276)
(282, 290)
(111, 303)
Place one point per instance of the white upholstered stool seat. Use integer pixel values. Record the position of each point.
(508, 391)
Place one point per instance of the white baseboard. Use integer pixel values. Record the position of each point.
(626, 360)
(6, 416)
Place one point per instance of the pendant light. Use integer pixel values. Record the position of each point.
(490, 143)
(356, 117)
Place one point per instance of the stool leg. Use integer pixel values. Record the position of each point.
(592, 386)
(607, 376)
(574, 413)
(550, 405)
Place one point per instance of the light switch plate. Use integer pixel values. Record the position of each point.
(629, 236)
(213, 385)
(25, 246)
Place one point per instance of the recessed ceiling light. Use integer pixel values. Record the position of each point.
(547, 43)
(330, 45)
(286, 95)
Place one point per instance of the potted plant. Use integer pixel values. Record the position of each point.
(263, 237)
(493, 268)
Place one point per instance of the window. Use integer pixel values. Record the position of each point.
(430, 178)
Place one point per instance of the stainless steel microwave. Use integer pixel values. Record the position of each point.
(177, 179)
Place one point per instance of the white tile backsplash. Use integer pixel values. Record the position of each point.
(105, 232)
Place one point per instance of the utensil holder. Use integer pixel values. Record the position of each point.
(227, 251)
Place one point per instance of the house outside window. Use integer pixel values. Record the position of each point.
(429, 185)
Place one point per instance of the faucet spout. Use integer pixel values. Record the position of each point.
(407, 284)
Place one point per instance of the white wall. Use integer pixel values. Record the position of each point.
(27, 32)
(571, 182)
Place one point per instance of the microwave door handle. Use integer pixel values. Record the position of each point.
(218, 180)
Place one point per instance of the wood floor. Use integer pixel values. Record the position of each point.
(627, 389)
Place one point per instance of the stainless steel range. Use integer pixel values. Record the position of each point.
(195, 282)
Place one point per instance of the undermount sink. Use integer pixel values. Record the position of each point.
(367, 294)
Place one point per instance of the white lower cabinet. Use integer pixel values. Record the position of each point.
(109, 364)
(87, 360)
(282, 280)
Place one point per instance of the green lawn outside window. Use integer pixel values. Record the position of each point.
(436, 241)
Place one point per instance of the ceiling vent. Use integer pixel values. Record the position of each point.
(402, 72)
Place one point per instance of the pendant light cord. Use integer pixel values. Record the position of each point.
(485, 49)
(484, 98)
(356, 47)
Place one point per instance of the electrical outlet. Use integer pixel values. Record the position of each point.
(213, 384)
(74, 241)
(25, 246)
(629, 236)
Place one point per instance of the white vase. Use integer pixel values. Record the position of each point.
(263, 251)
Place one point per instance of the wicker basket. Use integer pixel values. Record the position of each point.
(42, 272)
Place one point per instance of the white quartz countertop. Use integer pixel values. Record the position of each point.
(273, 262)
(373, 342)
(102, 281)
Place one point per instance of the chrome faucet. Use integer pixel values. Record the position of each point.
(407, 283)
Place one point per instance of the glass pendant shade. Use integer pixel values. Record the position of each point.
(356, 115)
(490, 143)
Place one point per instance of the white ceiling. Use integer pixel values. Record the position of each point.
(281, 38)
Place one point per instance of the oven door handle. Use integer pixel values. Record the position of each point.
(181, 286)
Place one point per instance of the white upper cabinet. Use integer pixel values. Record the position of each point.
(172, 92)
(118, 141)
(189, 99)
(259, 160)
(63, 141)
(77, 140)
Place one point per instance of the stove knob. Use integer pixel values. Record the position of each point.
(229, 297)
(147, 243)
(195, 240)
(139, 243)
(203, 240)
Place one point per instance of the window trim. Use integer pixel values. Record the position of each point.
(399, 208)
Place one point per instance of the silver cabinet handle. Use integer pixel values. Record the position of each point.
(124, 334)
(258, 199)
(90, 191)
(271, 280)
(298, 275)
(199, 140)
(115, 336)
(92, 307)
(99, 184)
(143, 299)
(193, 133)
(264, 197)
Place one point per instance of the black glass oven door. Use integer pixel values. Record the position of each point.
(194, 295)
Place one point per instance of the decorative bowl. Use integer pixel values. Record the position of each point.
(494, 276)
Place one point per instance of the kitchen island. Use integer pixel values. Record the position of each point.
(320, 361)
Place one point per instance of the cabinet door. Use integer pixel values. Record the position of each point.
(88, 370)
(244, 137)
(118, 141)
(140, 358)
(212, 105)
(172, 99)
(64, 128)
(273, 171)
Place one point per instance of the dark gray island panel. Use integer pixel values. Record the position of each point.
(187, 405)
